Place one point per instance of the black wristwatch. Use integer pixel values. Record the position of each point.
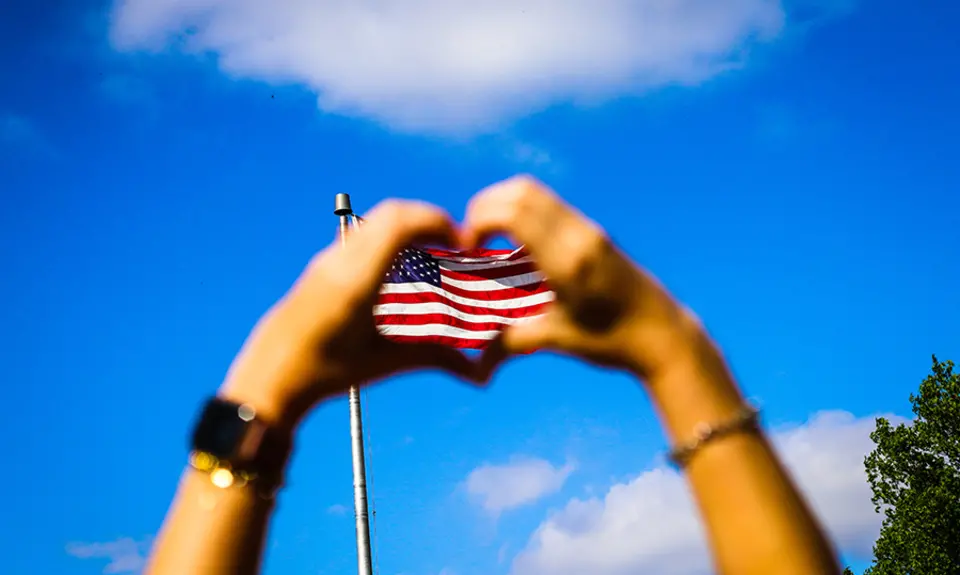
(234, 447)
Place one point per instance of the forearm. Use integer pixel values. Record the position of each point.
(214, 530)
(211, 530)
(756, 520)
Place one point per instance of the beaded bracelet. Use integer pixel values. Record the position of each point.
(747, 419)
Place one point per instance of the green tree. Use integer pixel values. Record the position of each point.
(914, 472)
(847, 571)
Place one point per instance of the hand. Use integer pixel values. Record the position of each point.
(607, 310)
(320, 338)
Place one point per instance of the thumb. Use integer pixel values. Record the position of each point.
(533, 334)
(526, 337)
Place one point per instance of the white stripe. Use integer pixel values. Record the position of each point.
(513, 303)
(434, 329)
(441, 308)
(463, 259)
(486, 265)
(497, 284)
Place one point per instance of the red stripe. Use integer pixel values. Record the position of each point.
(431, 297)
(444, 340)
(474, 253)
(472, 275)
(438, 318)
(499, 294)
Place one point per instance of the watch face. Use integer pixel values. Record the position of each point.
(219, 430)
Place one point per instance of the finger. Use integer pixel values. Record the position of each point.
(564, 243)
(506, 208)
(543, 332)
(395, 224)
(492, 357)
(535, 334)
(401, 357)
(391, 226)
(533, 215)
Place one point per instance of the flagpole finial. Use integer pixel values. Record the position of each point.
(342, 205)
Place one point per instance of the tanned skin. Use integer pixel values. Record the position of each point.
(608, 311)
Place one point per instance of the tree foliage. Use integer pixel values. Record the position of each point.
(914, 472)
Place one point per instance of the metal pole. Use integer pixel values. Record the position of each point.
(364, 564)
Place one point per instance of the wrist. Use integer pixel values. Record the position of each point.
(269, 407)
(235, 445)
(672, 342)
(692, 384)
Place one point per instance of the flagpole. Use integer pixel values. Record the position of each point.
(344, 210)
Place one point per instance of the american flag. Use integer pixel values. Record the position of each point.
(458, 299)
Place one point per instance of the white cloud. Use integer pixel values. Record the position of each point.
(519, 482)
(649, 525)
(502, 553)
(453, 66)
(337, 509)
(124, 556)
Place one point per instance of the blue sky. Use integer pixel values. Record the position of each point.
(789, 171)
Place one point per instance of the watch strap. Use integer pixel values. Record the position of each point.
(256, 454)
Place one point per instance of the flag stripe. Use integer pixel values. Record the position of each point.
(518, 307)
(477, 266)
(494, 273)
(504, 291)
(477, 255)
(482, 284)
(497, 291)
(496, 323)
(404, 310)
(459, 299)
